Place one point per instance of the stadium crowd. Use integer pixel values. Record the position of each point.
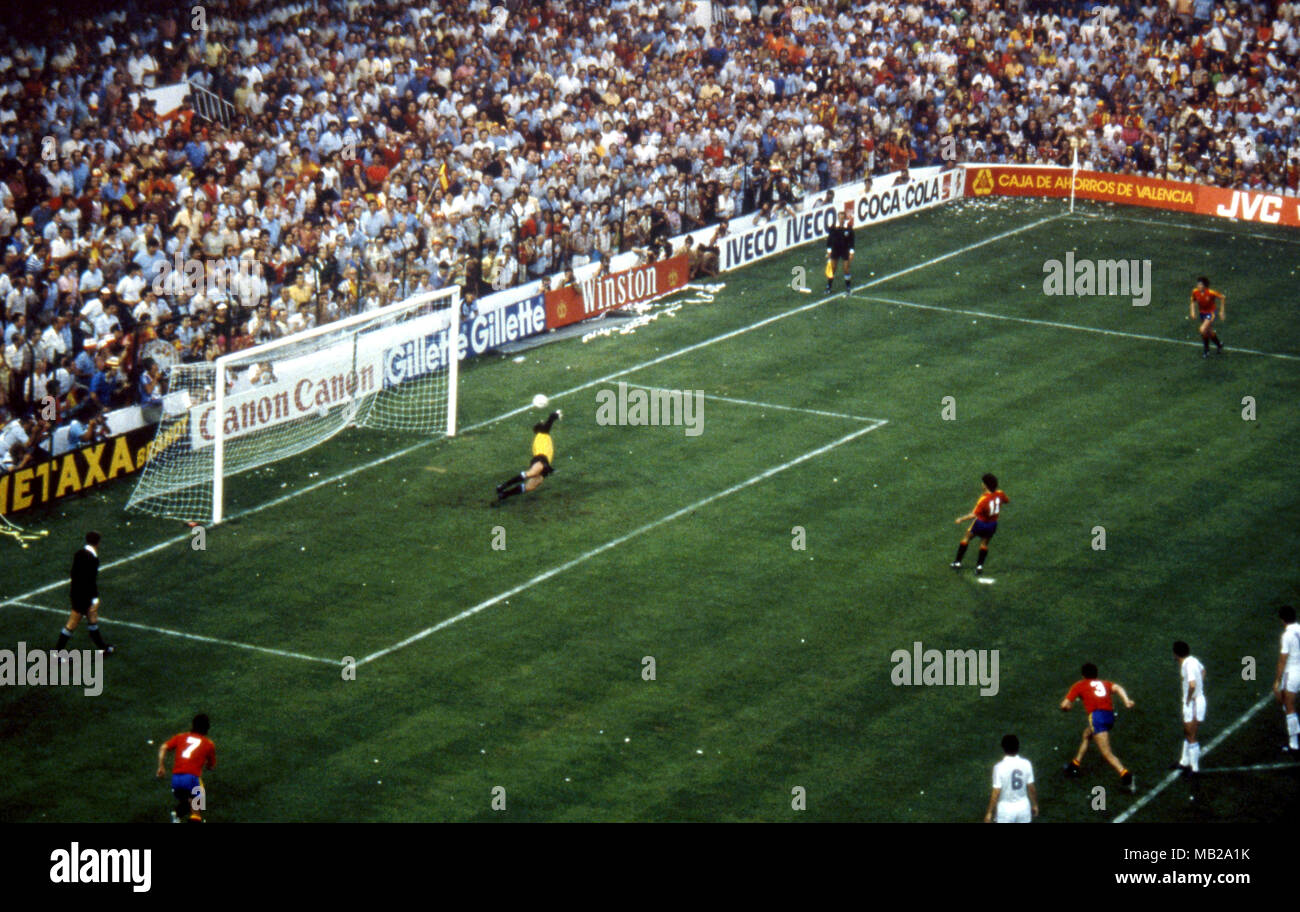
(359, 152)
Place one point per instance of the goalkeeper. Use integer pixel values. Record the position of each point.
(839, 250)
(538, 467)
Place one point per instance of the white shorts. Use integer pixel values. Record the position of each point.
(1194, 711)
(1014, 812)
(1291, 680)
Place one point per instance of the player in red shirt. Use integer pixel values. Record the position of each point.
(985, 525)
(1202, 308)
(1100, 708)
(195, 752)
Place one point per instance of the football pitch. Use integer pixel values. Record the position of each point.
(765, 570)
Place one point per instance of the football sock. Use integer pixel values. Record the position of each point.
(95, 636)
(1194, 756)
(513, 479)
(1182, 760)
(63, 638)
(848, 283)
(961, 551)
(1206, 341)
(512, 491)
(983, 556)
(1293, 728)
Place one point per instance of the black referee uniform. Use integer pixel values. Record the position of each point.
(84, 593)
(85, 579)
(839, 247)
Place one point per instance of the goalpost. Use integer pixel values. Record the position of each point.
(392, 369)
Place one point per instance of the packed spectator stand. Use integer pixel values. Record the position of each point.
(334, 157)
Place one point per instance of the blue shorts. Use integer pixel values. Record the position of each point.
(1103, 720)
(983, 529)
(1207, 317)
(184, 785)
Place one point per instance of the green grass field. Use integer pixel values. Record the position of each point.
(772, 664)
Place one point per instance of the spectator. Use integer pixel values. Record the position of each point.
(85, 427)
(107, 384)
(152, 386)
(489, 155)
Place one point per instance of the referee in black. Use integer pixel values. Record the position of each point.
(85, 595)
(839, 249)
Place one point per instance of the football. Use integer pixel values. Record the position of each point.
(539, 401)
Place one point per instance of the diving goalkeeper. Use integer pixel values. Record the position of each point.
(538, 467)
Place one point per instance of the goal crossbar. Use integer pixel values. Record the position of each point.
(392, 368)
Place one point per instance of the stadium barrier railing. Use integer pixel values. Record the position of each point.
(211, 106)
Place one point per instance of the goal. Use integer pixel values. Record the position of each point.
(391, 369)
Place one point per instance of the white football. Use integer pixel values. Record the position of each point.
(539, 401)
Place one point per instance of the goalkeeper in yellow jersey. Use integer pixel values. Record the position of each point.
(538, 467)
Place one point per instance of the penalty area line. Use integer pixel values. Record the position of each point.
(767, 321)
(1172, 777)
(622, 539)
(198, 638)
(764, 405)
(398, 454)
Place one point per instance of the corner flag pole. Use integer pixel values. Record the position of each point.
(1074, 169)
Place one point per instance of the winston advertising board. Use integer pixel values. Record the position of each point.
(600, 293)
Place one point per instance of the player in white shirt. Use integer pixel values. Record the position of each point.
(1287, 682)
(1014, 798)
(1192, 674)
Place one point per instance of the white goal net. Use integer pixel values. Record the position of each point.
(392, 369)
